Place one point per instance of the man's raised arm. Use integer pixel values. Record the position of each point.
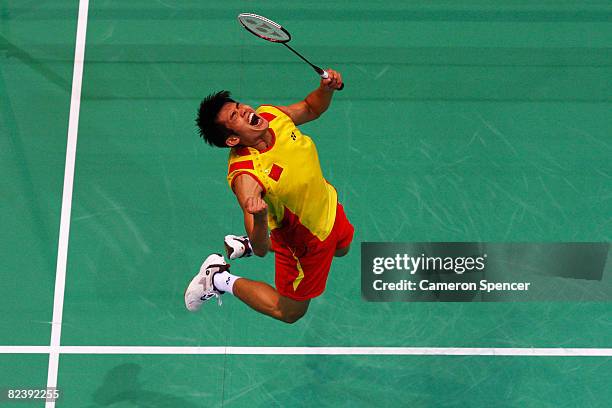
(316, 102)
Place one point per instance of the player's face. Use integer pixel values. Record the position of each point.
(243, 121)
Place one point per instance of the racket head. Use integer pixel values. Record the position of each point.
(264, 28)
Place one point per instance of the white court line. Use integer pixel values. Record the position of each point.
(338, 351)
(64, 232)
(24, 349)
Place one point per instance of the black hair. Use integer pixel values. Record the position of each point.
(211, 131)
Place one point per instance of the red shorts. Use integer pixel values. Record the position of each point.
(302, 261)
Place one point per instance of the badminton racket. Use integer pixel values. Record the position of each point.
(270, 31)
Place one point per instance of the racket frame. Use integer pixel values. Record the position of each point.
(321, 72)
(266, 20)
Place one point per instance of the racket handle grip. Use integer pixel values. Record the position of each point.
(325, 75)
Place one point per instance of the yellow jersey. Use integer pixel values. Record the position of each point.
(290, 175)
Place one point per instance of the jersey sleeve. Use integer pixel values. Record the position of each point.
(242, 167)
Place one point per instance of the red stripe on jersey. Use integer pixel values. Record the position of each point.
(275, 172)
(280, 108)
(242, 165)
(242, 151)
(273, 141)
(268, 116)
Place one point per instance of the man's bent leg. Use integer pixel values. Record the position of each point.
(265, 299)
(342, 251)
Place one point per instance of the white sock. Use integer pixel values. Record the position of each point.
(224, 281)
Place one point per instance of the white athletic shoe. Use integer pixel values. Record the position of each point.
(202, 287)
(237, 247)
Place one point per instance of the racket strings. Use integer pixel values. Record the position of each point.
(271, 31)
(263, 27)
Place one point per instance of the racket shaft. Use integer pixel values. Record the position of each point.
(319, 70)
(322, 73)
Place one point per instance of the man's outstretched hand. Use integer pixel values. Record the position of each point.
(334, 82)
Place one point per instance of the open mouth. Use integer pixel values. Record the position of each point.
(254, 120)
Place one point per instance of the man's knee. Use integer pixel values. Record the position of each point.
(292, 317)
(342, 251)
(291, 311)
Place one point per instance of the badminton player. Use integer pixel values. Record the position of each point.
(289, 208)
